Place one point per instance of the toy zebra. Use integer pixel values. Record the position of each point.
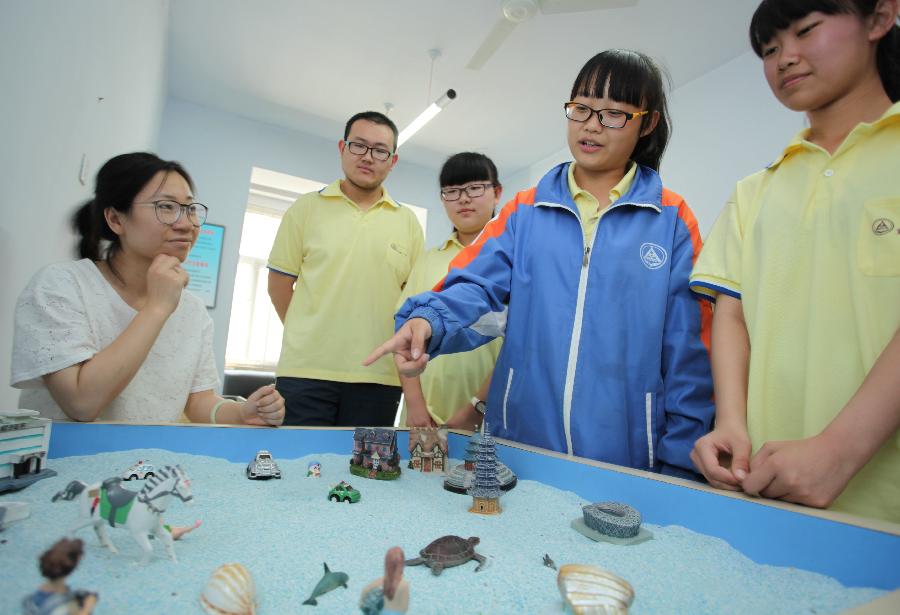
(138, 512)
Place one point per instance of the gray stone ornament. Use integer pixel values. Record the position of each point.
(612, 522)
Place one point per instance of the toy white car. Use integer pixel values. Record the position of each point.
(140, 470)
(263, 466)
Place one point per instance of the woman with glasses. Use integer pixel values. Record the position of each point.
(454, 388)
(586, 275)
(113, 336)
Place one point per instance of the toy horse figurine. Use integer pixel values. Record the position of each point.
(138, 512)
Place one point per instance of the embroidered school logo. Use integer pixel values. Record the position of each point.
(882, 226)
(653, 255)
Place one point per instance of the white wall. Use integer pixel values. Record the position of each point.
(727, 124)
(220, 149)
(57, 59)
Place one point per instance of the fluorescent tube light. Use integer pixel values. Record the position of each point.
(426, 116)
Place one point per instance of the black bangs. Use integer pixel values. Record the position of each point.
(632, 78)
(468, 167)
(619, 74)
(774, 15)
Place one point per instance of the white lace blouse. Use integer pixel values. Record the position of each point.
(69, 312)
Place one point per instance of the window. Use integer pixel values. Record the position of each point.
(254, 332)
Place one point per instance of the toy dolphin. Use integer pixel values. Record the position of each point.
(330, 580)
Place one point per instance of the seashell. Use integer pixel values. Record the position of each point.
(589, 590)
(229, 591)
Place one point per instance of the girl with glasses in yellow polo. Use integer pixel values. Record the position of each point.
(454, 388)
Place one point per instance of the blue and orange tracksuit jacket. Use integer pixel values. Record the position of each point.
(605, 353)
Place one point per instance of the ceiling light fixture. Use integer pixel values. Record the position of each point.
(432, 110)
(426, 116)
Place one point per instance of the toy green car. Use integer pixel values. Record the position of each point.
(344, 492)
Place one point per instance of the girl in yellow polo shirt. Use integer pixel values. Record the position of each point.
(804, 265)
(453, 388)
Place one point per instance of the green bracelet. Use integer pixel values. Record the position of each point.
(215, 408)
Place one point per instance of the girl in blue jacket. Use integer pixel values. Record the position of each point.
(605, 353)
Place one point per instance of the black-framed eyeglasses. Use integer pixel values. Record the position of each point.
(169, 212)
(611, 118)
(361, 149)
(472, 191)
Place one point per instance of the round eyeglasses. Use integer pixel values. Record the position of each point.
(472, 191)
(611, 118)
(170, 212)
(361, 149)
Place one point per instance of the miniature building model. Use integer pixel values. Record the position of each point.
(485, 489)
(460, 478)
(375, 453)
(24, 440)
(428, 449)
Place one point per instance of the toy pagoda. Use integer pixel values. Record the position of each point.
(485, 490)
(460, 478)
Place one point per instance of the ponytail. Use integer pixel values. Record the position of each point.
(85, 227)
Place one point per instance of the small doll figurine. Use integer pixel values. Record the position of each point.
(55, 597)
(388, 595)
(314, 469)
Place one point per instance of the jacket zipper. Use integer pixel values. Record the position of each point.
(572, 365)
(648, 411)
(506, 395)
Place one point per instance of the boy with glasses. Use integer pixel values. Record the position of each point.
(340, 260)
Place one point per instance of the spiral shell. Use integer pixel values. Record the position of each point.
(229, 591)
(589, 590)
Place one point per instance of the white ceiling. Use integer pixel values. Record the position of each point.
(309, 65)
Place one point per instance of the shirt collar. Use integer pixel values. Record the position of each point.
(799, 141)
(614, 194)
(452, 240)
(334, 190)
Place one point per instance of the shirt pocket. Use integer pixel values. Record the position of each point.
(878, 244)
(397, 258)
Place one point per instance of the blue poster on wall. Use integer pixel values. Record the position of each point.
(203, 263)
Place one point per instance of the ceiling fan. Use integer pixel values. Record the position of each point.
(520, 11)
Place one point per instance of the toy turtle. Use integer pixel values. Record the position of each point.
(448, 551)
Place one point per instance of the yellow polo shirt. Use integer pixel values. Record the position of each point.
(351, 266)
(589, 206)
(811, 246)
(451, 380)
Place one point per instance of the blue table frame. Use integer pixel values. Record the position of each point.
(856, 556)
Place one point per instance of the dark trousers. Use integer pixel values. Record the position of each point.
(324, 403)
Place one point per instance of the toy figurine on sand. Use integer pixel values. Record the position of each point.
(388, 595)
(314, 469)
(375, 453)
(55, 597)
(139, 512)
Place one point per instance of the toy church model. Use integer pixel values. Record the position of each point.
(485, 490)
(375, 453)
(428, 449)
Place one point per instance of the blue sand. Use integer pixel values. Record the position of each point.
(282, 532)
